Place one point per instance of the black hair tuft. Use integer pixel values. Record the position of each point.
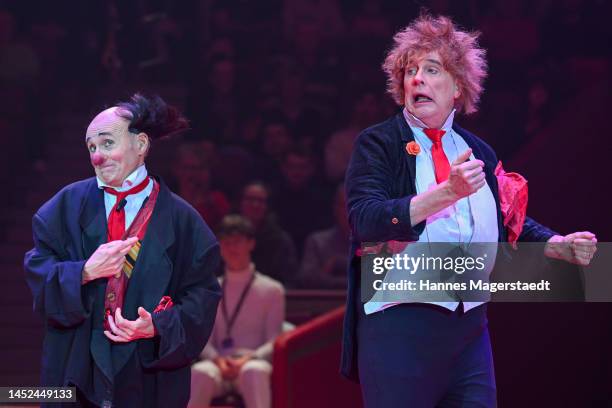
(153, 116)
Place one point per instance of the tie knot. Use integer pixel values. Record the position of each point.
(122, 194)
(435, 135)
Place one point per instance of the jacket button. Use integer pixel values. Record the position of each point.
(394, 220)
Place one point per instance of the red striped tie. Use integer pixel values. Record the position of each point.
(441, 165)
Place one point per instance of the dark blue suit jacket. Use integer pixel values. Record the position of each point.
(380, 183)
(178, 258)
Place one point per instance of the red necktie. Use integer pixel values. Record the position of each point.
(116, 219)
(441, 165)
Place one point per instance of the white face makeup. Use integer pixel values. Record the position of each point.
(114, 152)
(429, 90)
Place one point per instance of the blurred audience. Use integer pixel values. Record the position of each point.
(324, 15)
(324, 263)
(277, 91)
(274, 253)
(299, 200)
(276, 139)
(214, 102)
(366, 110)
(233, 168)
(19, 63)
(193, 180)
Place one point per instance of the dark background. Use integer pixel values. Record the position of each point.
(313, 68)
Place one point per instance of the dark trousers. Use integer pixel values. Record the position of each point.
(425, 356)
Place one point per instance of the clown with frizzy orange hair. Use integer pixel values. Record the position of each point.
(420, 177)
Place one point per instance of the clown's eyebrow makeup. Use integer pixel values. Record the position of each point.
(99, 134)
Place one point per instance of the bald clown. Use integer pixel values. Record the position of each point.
(122, 271)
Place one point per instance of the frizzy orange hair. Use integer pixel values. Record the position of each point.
(459, 50)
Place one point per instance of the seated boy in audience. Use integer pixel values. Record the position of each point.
(238, 355)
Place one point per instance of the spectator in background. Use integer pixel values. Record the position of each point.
(19, 63)
(369, 28)
(324, 262)
(511, 35)
(318, 60)
(192, 172)
(250, 130)
(215, 103)
(233, 169)
(276, 140)
(302, 117)
(21, 97)
(577, 29)
(325, 16)
(274, 253)
(366, 110)
(222, 21)
(222, 47)
(370, 21)
(239, 354)
(300, 202)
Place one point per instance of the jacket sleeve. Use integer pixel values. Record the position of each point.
(375, 215)
(535, 232)
(184, 329)
(55, 281)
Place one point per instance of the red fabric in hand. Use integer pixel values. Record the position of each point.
(513, 194)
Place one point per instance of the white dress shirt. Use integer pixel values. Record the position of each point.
(470, 219)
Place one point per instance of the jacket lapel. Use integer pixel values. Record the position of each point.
(152, 272)
(406, 136)
(153, 268)
(94, 226)
(93, 220)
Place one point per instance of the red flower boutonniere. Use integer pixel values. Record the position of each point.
(413, 148)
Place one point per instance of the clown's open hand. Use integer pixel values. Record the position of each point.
(124, 330)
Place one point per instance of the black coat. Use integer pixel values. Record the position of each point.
(380, 183)
(178, 258)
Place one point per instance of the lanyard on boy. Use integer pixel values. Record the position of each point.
(228, 341)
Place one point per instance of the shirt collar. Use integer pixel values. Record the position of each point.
(135, 178)
(415, 122)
